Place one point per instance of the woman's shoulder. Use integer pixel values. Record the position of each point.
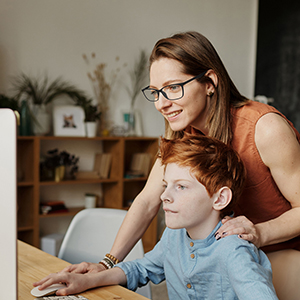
(253, 110)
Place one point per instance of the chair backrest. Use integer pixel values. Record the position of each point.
(91, 235)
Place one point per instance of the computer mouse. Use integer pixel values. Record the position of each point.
(47, 291)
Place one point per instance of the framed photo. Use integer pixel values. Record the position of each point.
(68, 120)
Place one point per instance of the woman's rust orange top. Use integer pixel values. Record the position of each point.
(261, 199)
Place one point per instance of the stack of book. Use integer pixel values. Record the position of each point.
(140, 165)
(102, 166)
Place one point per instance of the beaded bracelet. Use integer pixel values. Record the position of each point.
(109, 261)
(114, 259)
(103, 264)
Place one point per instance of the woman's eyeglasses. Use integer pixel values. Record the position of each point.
(170, 92)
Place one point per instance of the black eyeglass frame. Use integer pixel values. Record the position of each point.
(165, 95)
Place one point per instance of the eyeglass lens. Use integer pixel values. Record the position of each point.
(171, 92)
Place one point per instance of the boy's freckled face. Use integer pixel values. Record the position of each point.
(185, 200)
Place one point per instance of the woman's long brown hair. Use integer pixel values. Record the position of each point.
(197, 54)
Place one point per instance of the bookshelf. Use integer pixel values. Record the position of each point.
(117, 190)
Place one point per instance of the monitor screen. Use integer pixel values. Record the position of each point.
(8, 205)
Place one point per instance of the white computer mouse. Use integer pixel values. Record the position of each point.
(47, 291)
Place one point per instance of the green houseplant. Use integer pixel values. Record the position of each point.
(92, 112)
(12, 103)
(58, 165)
(92, 115)
(38, 92)
(8, 102)
(42, 91)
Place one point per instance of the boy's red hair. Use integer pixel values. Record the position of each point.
(211, 162)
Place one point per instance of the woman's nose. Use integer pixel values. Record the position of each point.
(162, 102)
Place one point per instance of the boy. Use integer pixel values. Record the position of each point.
(203, 178)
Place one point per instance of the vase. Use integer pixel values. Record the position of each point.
(59, 173)
(90, 200)
(132, 123)
(91, 129)
(105, 123)
(42, 120)
(25, 128)
(138, 123)
(129, 122)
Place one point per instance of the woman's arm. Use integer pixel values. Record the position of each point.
(280, 151)
(142, 211)
(139, 216)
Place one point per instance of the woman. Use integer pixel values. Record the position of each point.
(191, 88)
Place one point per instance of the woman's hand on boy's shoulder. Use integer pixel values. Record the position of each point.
(242, 227)
(83, 268)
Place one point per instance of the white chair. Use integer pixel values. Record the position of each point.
(91, 235)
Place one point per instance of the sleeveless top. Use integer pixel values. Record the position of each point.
(261, 199)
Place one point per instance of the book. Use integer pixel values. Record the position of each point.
(102, 164)
(140, 163)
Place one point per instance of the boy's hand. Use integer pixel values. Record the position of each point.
(241, 226)
(83, 268)
(75, 283)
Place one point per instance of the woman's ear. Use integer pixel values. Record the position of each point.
(213, 76)
(222, 198)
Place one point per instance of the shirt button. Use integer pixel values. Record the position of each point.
(188, 285)
(191, 244)
(192, 255)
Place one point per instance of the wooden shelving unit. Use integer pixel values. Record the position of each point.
(117, 190)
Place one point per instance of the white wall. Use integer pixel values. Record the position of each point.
(50, 36)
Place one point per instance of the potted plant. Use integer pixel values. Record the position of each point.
(92, 115)
(38, 93)
(12, 103)
(58, 165)
(8, 102)
(102, 84)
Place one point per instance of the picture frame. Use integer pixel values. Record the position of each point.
(68, 120)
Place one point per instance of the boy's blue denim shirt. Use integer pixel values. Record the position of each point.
(227, 269)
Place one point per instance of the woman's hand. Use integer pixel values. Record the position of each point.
(83, 268)
(241, 226)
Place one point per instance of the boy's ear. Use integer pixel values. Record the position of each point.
(222, 198)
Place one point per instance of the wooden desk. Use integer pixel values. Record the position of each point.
(34, 264)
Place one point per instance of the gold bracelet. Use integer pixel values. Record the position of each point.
(111, 257)
(109, 261)
(104, 265)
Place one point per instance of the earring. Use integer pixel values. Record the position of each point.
(210, 93)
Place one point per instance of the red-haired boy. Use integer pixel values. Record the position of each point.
(203, 180)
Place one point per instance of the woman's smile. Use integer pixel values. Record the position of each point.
(171, 116)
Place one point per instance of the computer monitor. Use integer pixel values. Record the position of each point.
(8, 205)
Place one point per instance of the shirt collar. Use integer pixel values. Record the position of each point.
(205, 242)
